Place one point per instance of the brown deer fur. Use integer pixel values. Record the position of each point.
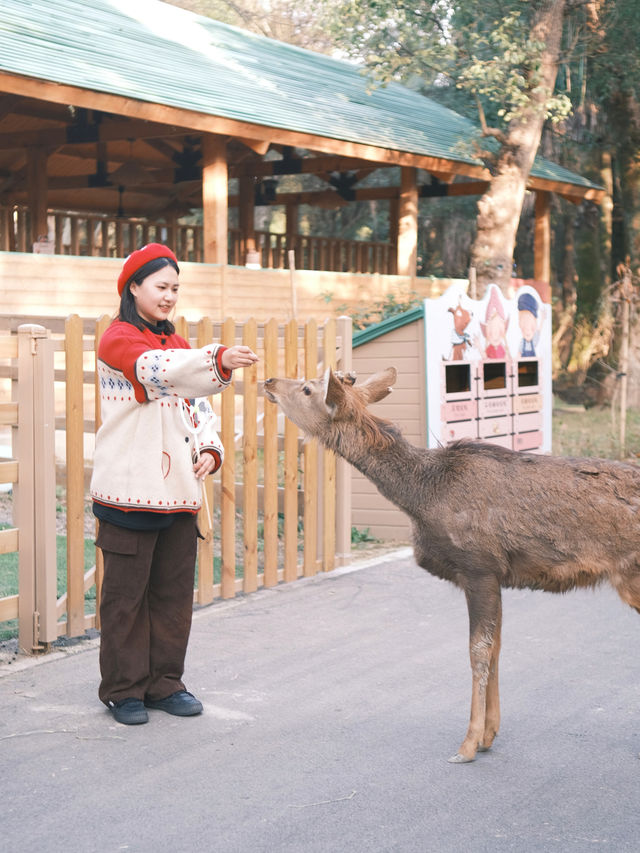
(483, 517)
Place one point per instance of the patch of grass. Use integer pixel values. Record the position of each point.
(9, 578)
(593, 432)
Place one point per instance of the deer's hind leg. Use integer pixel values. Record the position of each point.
(485, 625)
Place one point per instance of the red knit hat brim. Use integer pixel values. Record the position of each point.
(139, 258)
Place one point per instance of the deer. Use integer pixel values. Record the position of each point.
(483, 517)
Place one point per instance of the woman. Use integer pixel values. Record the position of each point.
(155, 446)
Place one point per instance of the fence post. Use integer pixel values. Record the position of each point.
(102, 323)
(329, 466)
(250, 462)
(270, 430)
(310, 452)
(204, 594)
(74, 393)
(343, 471)
(228, 478)
(290, 461)
(36, 489)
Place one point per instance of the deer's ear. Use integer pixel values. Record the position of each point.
(378, 386)
(333, 390)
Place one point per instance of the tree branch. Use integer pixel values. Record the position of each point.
(484, 127)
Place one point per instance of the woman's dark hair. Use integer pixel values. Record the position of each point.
(128, 312)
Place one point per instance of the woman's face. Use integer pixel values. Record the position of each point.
(156, 295)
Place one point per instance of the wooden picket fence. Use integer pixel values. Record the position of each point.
(280, 508)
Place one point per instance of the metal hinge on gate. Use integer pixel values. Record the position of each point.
(37, 645)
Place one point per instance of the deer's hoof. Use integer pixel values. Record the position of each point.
(459, 758)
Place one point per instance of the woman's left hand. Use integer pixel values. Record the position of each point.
(238, 356)
(204, 465)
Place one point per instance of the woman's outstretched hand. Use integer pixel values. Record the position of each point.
(238, 356)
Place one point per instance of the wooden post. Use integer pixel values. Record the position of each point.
(270, 427)
(292, 227)
(626, 294)
(291, 462)
(74, 434)
(250, 462)
(292, 280)
(228, 477)
(246, 217)
(44, 452)
(343, 470)
(542, 238)
(310, 461)
(24, 508)
(473, 283)
(37, 193)
(37, 490)
(204, 593)
(329, 467)
(408, 222)
(215, 191)
(102, 324)
(6, 224)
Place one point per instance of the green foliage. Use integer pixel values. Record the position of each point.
(381, 309)
(361, 537)
(484, 50)
(504, 68)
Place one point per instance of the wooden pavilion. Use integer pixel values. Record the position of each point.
(118, 118)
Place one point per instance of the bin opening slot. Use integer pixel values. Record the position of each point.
(527, 374)
(457, 378)
(495, 375)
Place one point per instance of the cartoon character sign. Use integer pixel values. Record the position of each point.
(495, 326)
(460, 339)
(461, 332)
(529, 324)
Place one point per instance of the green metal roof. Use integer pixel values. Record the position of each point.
(384, 326)
(154, 52)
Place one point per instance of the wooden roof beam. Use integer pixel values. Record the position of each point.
(571, 192)
(106, 131)
(162, 147)
(259, 146)
(299, 165)
(180, 119)
(8, 105)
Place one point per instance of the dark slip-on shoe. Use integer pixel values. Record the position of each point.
(129, 712)
(180, 704)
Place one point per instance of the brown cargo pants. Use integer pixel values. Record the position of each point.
(145, 609)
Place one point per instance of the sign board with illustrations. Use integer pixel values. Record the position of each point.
(489, 368)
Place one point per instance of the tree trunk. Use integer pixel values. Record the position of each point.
(500, 207)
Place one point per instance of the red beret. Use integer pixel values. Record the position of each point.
(139, 258)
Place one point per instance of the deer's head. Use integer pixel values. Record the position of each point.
(319, 405)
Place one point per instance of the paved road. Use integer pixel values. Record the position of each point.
(331, 706)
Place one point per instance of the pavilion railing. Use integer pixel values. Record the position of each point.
(111, 236)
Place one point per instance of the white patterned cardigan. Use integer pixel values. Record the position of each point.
(144, 451)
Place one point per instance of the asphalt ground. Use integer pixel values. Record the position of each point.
(331, 707)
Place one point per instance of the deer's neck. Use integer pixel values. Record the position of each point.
(397, 469)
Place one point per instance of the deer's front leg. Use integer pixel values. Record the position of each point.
(485, 621)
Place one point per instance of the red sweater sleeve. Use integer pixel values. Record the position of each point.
(122, 345)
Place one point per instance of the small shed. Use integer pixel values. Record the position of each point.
(397, 341)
